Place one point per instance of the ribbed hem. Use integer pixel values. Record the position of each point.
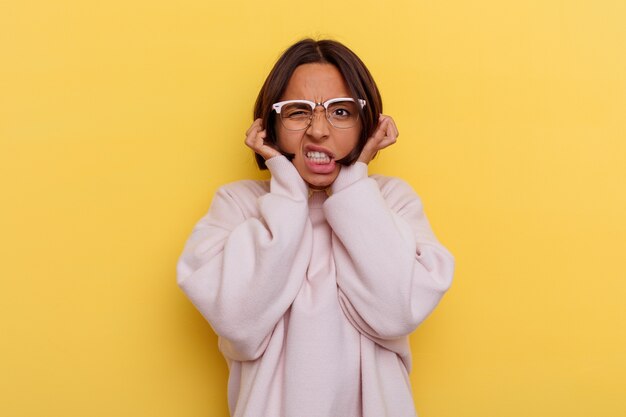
(317, 197)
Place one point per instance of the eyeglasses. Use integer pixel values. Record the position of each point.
(342, 113)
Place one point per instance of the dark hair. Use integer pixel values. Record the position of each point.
(355, 73)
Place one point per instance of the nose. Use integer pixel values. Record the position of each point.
(319, 128)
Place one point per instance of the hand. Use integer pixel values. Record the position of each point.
(255, 140)
(385, 135)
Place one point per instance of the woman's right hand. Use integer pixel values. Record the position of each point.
(255, 140)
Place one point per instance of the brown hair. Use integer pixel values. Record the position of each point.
(355, 73)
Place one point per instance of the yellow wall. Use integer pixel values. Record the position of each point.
(119, 119)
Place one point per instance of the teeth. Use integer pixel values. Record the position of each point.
(316, 154)
(319, 157)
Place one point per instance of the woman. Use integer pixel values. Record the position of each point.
(314, 279)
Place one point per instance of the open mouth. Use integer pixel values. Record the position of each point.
(319, 160)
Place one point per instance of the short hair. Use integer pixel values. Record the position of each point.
(326, 51)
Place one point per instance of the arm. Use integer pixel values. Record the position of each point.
(243, 273)
(391, 270)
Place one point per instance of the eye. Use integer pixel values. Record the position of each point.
(341, 113)
(342, 110)
(296, 111)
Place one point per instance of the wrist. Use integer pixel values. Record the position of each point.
(349, 175)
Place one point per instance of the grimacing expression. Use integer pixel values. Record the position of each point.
(319, 146)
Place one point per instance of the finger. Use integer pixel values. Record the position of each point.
(255, 139)
(379, 133)
(389, 123)
(259, 139)
(257, 124)
(386, 134)
(391, 132)
(390, 129)
(393, 127)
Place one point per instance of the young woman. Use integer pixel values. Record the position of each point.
(314, 279)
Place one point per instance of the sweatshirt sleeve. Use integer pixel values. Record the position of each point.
(391, 270)
(242, 274)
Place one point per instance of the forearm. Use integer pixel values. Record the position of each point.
(243, 273)
(390, 267)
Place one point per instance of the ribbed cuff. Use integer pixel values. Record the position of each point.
(286, 178)
(349, 175)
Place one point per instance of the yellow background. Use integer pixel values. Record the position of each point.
(119, 119)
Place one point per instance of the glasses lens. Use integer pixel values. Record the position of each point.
(343, 114)
(296, 116)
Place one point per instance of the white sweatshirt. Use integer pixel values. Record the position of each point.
(313, 297)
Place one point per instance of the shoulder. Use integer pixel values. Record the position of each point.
(241, 195)
(244, 189)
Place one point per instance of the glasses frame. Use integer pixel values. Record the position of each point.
(277, 107)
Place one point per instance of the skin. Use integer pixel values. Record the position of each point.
(319, 82)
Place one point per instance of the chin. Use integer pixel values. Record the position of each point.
(318, 186)
(320, 183)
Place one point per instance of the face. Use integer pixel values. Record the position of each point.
(317, 147)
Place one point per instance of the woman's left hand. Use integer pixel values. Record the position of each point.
(385, 135)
